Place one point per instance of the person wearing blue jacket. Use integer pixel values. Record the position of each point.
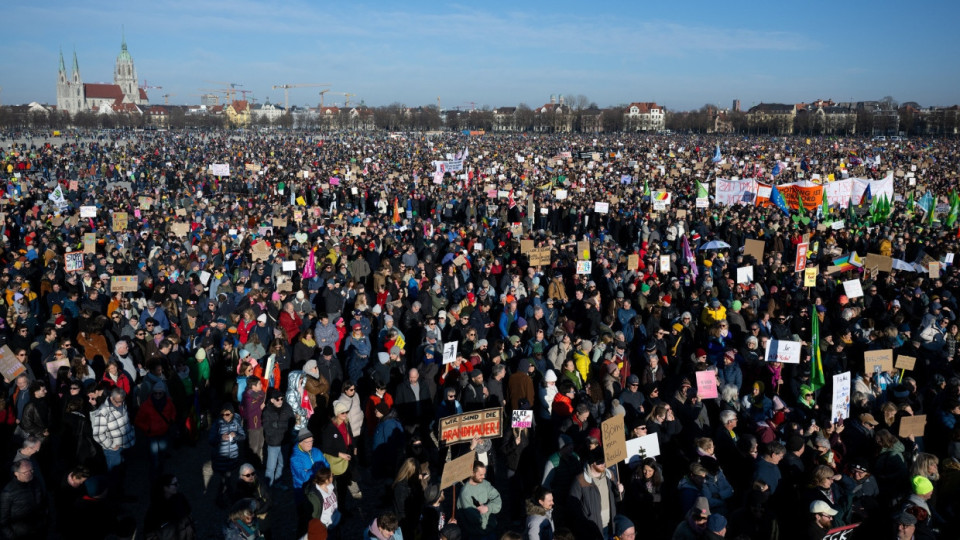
(304, 461)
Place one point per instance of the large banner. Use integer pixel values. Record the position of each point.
(839, 193)
(730, 192)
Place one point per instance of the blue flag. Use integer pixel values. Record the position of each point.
(778, 200)
(776, 169)
(717, 158)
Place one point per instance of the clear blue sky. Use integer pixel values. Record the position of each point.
(497, 53)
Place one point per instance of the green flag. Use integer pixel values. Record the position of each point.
(816, 365)
(910, 204)
(646, 187)
(825, 206)
(702, 191)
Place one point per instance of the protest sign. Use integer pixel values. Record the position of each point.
(754, 248)
(521, 419)
(526, 246)
(261, 251)
(449, 352)
(745, 274)
(119, 221)
(584, 267)
(457, 469)
(934, 270)
(90, 243)
(124, 283)
(787, 352)
(882, 263)
(882, 358)
(583, 250)
(853, 288)
(642, 447)
(10, 366)
(906, 363)
(289, 266)
(614, 440)
(913, 425)
(703, 202)
(664, 264)
(539, 257)
(801, 262)
(73, 261)
(180, 229)
(220, 169)
(633, 262)
(810, 277)
(707, 384)
(840, 404)
(88, 211)
(601, 207)
(842, 533)
(458, 428)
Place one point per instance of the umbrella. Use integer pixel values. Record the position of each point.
(448, 258)
(903, 265)
(715, 244)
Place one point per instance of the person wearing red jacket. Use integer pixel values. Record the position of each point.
(115, 376)
(290, 322)
(154, 419)
(246, 325)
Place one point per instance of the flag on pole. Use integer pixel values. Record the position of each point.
(779, 201)
(691, 260)
(396, 210)
(310, 268)
(816, 365)
(717, 157)
(702, 190)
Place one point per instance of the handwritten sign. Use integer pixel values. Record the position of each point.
(526, 246)
(90, 243)
(583, 250)
(642, 447)
(906, 363)
(124, 283)
(584, 267)
(88, 211)
(840, 404)
(73, 261)
(180, 229)
(601, 207)
(484, 424)
(853, 288)
(882, 358)
(120, 221)
(810, 277)
(539, 256)
(801, 262)
(521, 419)
(707, 385)
(614, 440)
(745, 274)
(787, 352)
(220, 169)
(457, 470)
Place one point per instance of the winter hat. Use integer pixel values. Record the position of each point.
(160, 387)
(551, 376)
(201, 354)
(304, 434)
(621, 524)
(382, 408)
(716, 523)
(262, 318)
(921, 485)
(736, 305)
(340, 407)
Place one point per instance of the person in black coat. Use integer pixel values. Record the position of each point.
(23, 504)
(277, 420)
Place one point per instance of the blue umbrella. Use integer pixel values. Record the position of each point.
(715, 244)
(448, 258)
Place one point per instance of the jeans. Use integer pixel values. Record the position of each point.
(274, 464)
(158, 445)
(114, 458)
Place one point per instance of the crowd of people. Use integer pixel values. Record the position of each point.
(288, 301)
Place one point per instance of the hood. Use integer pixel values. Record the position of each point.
(534, 509)
(295, 378)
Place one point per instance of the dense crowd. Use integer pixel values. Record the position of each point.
(295, 312)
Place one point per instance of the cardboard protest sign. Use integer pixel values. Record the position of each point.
(521, 419)
(882, 358)
(707, 384)
(10, 367)
(90, 243)
(449, 352)
(883, 264)
(754, 248)
(787, 352)
(913, 425)
(840, 404)
(934, 270)
(526, 246)
(539, 257)
(124, 283)
(583, 250)
(279, 222)
(73, 261)
(182, 212)
(614, 440)
(584, 267)
(457, 470)
(119, 221)
(633, 262)
(642, 447)
(906, 363)
(260, 251)
(484, 424)
(180, 229)
(853, 288)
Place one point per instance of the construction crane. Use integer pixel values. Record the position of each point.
(166, 98)
(145, 86)
(473, 105)
(245, 92)
(438, 104)
(232, 91)
(210, 93)
(347, 95)
(322, 92)
(286, 90)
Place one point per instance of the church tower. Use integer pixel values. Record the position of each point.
(125, 75)
(69, 90)
(63, 87)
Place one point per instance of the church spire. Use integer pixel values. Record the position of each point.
(123, 38)
(76, 65)
(63, 68)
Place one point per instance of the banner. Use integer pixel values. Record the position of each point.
(486, 424)
(840, 407)
(124, 284)
(730, 192)
(220, 169)
(451, 166)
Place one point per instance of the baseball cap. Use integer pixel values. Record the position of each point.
(821, 507)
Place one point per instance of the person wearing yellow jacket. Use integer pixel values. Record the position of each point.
(582, 358)
(713, 313)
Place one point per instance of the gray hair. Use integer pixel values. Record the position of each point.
(246, 468)
(728, 393)
(753, 339)
(118, 392)
(727, 416)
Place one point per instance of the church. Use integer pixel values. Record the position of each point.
(123, 96)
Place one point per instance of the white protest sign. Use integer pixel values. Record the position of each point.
(521, 419)
(787, 352)
(601, 207)
(584, 267)
(745, 274)
(88, 211)
(220, 169)
(840, 408)
(204, 277)
(642, 447)
(703, 202)
(449, 352)
(853, 288)
(289, 266)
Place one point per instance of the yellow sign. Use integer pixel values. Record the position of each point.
(810, 277)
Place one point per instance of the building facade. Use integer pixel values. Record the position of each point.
(124, 95)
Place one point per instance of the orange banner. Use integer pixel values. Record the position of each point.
(812, 197)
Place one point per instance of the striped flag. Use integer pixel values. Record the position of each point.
(816, 364)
